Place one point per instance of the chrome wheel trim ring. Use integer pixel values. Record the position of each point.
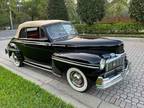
(77, 88)
(15, 60)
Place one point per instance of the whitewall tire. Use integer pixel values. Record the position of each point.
(77, 80)
(15, 60)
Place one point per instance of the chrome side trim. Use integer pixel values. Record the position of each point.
(58, 45)
(45, 66)
(45, 69)
(36, 43)
(75, 63)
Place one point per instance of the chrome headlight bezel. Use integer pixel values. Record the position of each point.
(102, 64)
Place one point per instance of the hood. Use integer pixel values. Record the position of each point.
(83, 42)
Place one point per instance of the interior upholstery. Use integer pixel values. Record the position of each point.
(33, 34)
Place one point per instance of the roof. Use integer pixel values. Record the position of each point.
(37, 23)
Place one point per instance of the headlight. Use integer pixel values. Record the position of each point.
(102, 64)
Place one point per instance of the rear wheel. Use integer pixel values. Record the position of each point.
(77, 79)
(15, 60)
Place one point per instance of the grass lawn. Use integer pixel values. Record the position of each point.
(16, 92)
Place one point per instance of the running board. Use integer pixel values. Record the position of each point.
(42, 67)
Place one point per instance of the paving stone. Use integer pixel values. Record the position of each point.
(100, 94)
(113, 99)
(117, 102)
(135, 100)
(123, 96)
(140, 105)
(122, 104)
(141, 102)
(128, 101)
(119, 91)
(141, 99)
(134, 106)
(107, 99)
(133, 103)
(127, 90)
(130, 95)
(142, 92)
(103, 96)
(128, 105)
(129, 98)
(138, 94)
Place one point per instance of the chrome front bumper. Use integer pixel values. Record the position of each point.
(108, 82)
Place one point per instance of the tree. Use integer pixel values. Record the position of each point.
(136, 10)
(35, 9)
(30, 7)
(4, 16)
(57, 10)
(117, 8)
(42, 9)
(71, 8)
(4, 20)
(91, 11)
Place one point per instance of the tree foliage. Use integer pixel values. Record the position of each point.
(117, 8)
(4, 20)
(91, 11)
(136, 10)
(71, 8)
(36, 9)
(57, 10)
(22, 10)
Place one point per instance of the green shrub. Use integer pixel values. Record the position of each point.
(4, 20)
(91, 11)
(118, 28)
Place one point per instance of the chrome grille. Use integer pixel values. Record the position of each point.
(115, 62)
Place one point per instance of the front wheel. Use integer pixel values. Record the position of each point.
(77, 79)
(15, 60)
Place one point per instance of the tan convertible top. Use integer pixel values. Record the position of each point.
(37, 23)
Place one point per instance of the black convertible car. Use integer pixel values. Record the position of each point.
(55, 46)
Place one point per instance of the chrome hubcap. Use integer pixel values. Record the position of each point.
(76, 79)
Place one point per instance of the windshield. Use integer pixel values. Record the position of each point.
(61, 31)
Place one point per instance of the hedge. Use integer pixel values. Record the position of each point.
(118, 28)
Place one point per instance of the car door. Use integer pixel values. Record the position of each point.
(36, 46)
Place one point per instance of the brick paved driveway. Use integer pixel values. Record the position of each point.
(130, 92)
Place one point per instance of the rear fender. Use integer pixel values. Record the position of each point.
(13, 48)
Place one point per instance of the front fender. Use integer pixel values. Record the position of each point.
(91, 59)
(88, 63)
